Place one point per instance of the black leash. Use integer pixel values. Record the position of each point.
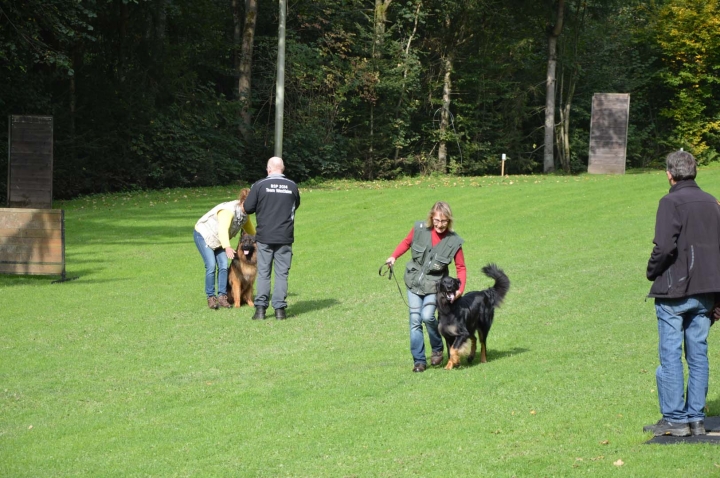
(390, 272)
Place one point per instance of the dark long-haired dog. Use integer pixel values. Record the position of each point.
(243, 271)
(473, 312)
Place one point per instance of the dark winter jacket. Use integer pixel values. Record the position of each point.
(274, 201)
(686, 258)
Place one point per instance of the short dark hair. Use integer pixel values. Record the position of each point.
(681, 165)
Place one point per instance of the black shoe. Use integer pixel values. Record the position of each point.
(280, 314)
(697, 428)
(259, 313)
(419, 367)
(663, 427)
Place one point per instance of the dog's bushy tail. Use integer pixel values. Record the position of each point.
(502, 283)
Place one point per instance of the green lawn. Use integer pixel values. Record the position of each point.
(125, 372)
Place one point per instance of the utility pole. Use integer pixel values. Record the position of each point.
(280, 82)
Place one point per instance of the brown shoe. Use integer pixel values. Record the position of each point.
(419, 367)
(436, 359)
(223, 302)
(212, 302)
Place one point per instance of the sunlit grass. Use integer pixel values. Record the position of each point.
(125, 372)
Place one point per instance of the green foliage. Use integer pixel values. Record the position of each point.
(192, 144)
(143, 92)
(689, 36)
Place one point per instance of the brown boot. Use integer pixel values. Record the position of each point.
(212, 302)
(436, 359)
(223, 302)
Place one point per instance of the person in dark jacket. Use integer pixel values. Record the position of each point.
(274, 201)
(434, 245)
(685, 269)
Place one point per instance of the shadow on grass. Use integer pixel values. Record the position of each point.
(78, 276)
(713, 407)
(305, 306)
(7, 280)
(501, 354)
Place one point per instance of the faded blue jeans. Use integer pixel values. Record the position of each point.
(683, 320)
(213, 258)
(422, 311)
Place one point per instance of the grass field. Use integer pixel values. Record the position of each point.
(125, 372)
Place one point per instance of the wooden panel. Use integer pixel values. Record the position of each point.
(608, 133)
(32, 269)
(21, 244)
(19, 218)
(30, 161)
(32, 241)
(46, 234)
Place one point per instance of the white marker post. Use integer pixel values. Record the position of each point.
(502, 168)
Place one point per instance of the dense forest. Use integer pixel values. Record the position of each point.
(169, 93)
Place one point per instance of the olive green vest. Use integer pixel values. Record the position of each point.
(429, 263)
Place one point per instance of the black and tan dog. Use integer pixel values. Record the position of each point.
(243, 271)
(459, 320)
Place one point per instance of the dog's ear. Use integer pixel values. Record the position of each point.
(243, 194)
(457, 283)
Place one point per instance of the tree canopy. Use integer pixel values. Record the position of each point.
(169, 93)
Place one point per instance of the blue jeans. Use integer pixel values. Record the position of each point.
(681, 320)
(213, 258)
(422, 311)
(279, 258)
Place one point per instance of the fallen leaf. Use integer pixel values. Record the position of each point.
(605, 442)
(533, 412)
(618, 463)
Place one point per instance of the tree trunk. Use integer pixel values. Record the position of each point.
(548, 159)
(563, 133)
(381, 7)
(245, 67)
(122, 43)
(445, 113)
(237, 32)
(369, 159)
(405, 71)
(73, 102)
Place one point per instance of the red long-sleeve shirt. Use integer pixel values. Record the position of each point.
(459, 258)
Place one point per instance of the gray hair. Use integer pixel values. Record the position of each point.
(681, 165)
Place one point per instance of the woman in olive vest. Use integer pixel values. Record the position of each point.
(212, 236)
(433, 245)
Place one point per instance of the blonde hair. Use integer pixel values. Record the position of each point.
(443, 208)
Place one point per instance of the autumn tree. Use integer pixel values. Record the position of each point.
(688, 32)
